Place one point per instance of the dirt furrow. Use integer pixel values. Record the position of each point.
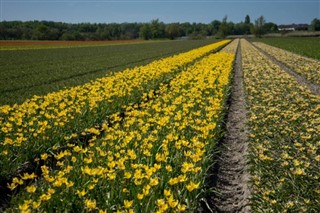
(314, 88)
(233, 190)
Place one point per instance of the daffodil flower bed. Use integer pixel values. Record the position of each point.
(304, 66)
(284, 127)
(39, 123)
(154, 160)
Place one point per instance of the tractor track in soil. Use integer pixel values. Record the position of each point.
(230, 174)
(230, 177)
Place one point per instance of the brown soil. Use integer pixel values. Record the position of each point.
(314, 88)
(231, 176)
(24, 43)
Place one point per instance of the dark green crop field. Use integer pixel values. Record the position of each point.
(25, 73)
(304, 46)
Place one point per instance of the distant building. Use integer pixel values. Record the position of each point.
(293, 27)
(283, 28)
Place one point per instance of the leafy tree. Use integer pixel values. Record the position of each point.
(246, 26)
(270, 27)
(247, 19)
(224, 28)
(185, 29)
(49, 30)
(315, 25)
(258, 29)
(129, 30)
(115, 30)
(157, 29)
(214, 26)
(87, 28)
(68, 36)
(172, 30)
(145, 32)
(239, 29)
(103, 33)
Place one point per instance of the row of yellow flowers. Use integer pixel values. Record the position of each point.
(154, 160)
(41, 122)
(284, 125)
(306, 67)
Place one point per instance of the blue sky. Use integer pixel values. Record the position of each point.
(108, 11)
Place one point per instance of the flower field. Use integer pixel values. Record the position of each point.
(306, 67)
(284, 126)
(153, 160)
(41, 122)
(149, 138)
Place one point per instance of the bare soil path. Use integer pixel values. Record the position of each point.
(232, 180)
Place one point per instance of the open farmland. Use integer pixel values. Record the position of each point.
(27, 45)
(284, 126)
(304, 46)
(232, 126)
(67, 112)
(25, 73)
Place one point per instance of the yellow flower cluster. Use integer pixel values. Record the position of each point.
(232, 47)
(284, 125)
(41, 122)
(306, 67)
(152, 161)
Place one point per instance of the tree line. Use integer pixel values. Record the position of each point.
(155, 29)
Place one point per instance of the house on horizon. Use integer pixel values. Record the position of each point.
(293, 27)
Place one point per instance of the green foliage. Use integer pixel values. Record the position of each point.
(258, 28)
(247, 19)
(145, 32)
(224, 28)
(173, 30)
(153, 30)
(315, 25)
(241, 29)
(157, 29)
(48, 30)
(214, 26)
(270, 27)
